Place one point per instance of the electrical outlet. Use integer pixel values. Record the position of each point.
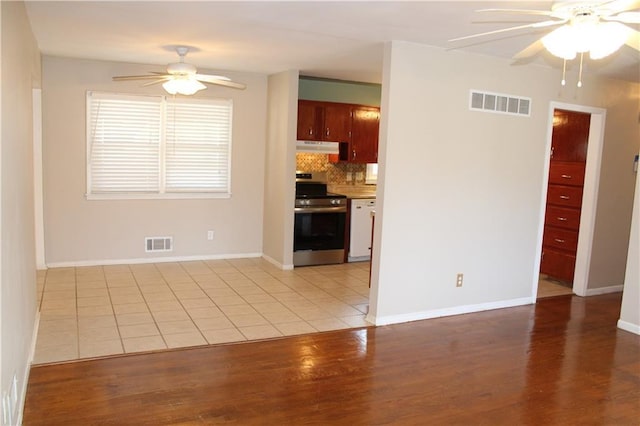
(209, 235)
(459, 280)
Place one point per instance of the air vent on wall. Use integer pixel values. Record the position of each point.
(156, 244)
(499, 103)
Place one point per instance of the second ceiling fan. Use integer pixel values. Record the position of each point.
(599, 28)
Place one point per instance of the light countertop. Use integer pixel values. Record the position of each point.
(354, 191)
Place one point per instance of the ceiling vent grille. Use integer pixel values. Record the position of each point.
(499, 103)
(157, 244)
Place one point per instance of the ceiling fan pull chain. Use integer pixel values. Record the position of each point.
(564, 72)
(580, 74)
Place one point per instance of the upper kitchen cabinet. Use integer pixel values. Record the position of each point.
(324, 121)
(570, 136)
(365, 126)
(308, 121)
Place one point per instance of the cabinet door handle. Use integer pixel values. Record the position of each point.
(562, 219)
(354, 154)
(564, 197)
(310, 131)
(566, 176)
(558, 240)
(327, 132)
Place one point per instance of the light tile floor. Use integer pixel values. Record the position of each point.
(548, 287)
(88, 312)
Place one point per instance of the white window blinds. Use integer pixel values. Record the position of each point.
(124, 134)
(153, 145)
(197, 150)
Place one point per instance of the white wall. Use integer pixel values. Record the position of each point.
(279, 181)
(461, 191)
(617, 180)
(20, 71)
(630, 311)
(78, 231)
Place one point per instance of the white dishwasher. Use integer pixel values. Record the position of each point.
(360, 231)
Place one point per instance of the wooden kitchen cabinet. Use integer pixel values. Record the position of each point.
(564, 194)
(365, 127)
(570, 136)
(324, 121)
(356, 127)
(337, 123)
(308, 121)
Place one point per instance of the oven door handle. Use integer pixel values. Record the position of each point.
(339, 209)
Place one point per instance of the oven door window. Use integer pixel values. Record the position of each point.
(319, 231)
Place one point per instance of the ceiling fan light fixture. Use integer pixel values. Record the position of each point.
(599, 39)
(561, 43)
(609, 37)
(183, 86)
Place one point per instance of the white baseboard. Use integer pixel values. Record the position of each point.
(274, 262)
(603, 290)
(457, 310)
(34, 337)
(25, 375)
(150, 260)
(359, 258)
(627, 326)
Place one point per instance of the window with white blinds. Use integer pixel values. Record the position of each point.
(157, 147)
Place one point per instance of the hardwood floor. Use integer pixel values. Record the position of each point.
(561, 361)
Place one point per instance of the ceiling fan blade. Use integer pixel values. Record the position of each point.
(616, 6)
(559, 14)
(625, 17)
(520, 27)
(205, 77)
(519, 11)
(634, 40)
(135, 77)
(151, 83)
(530, 50)
(220, 81)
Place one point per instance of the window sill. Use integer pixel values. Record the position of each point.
(167, 196)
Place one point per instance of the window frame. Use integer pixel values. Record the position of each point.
(162, 148)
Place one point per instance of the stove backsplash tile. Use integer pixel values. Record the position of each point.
(336, 172)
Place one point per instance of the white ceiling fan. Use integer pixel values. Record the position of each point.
(595, 27)
(182, 78)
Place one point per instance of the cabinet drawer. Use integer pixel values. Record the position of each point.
(558, 265)
(562, 217)
(566, 196)
(560, 238)
(566, 173)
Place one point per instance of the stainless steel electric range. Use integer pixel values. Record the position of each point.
(320, 219)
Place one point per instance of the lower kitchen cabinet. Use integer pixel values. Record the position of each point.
(558, 264)
(360, 229)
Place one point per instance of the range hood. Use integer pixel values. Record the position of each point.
(318, 147)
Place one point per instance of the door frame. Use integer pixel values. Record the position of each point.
(589, 193)
(37, 179)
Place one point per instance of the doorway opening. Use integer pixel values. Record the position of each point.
(572, 172)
